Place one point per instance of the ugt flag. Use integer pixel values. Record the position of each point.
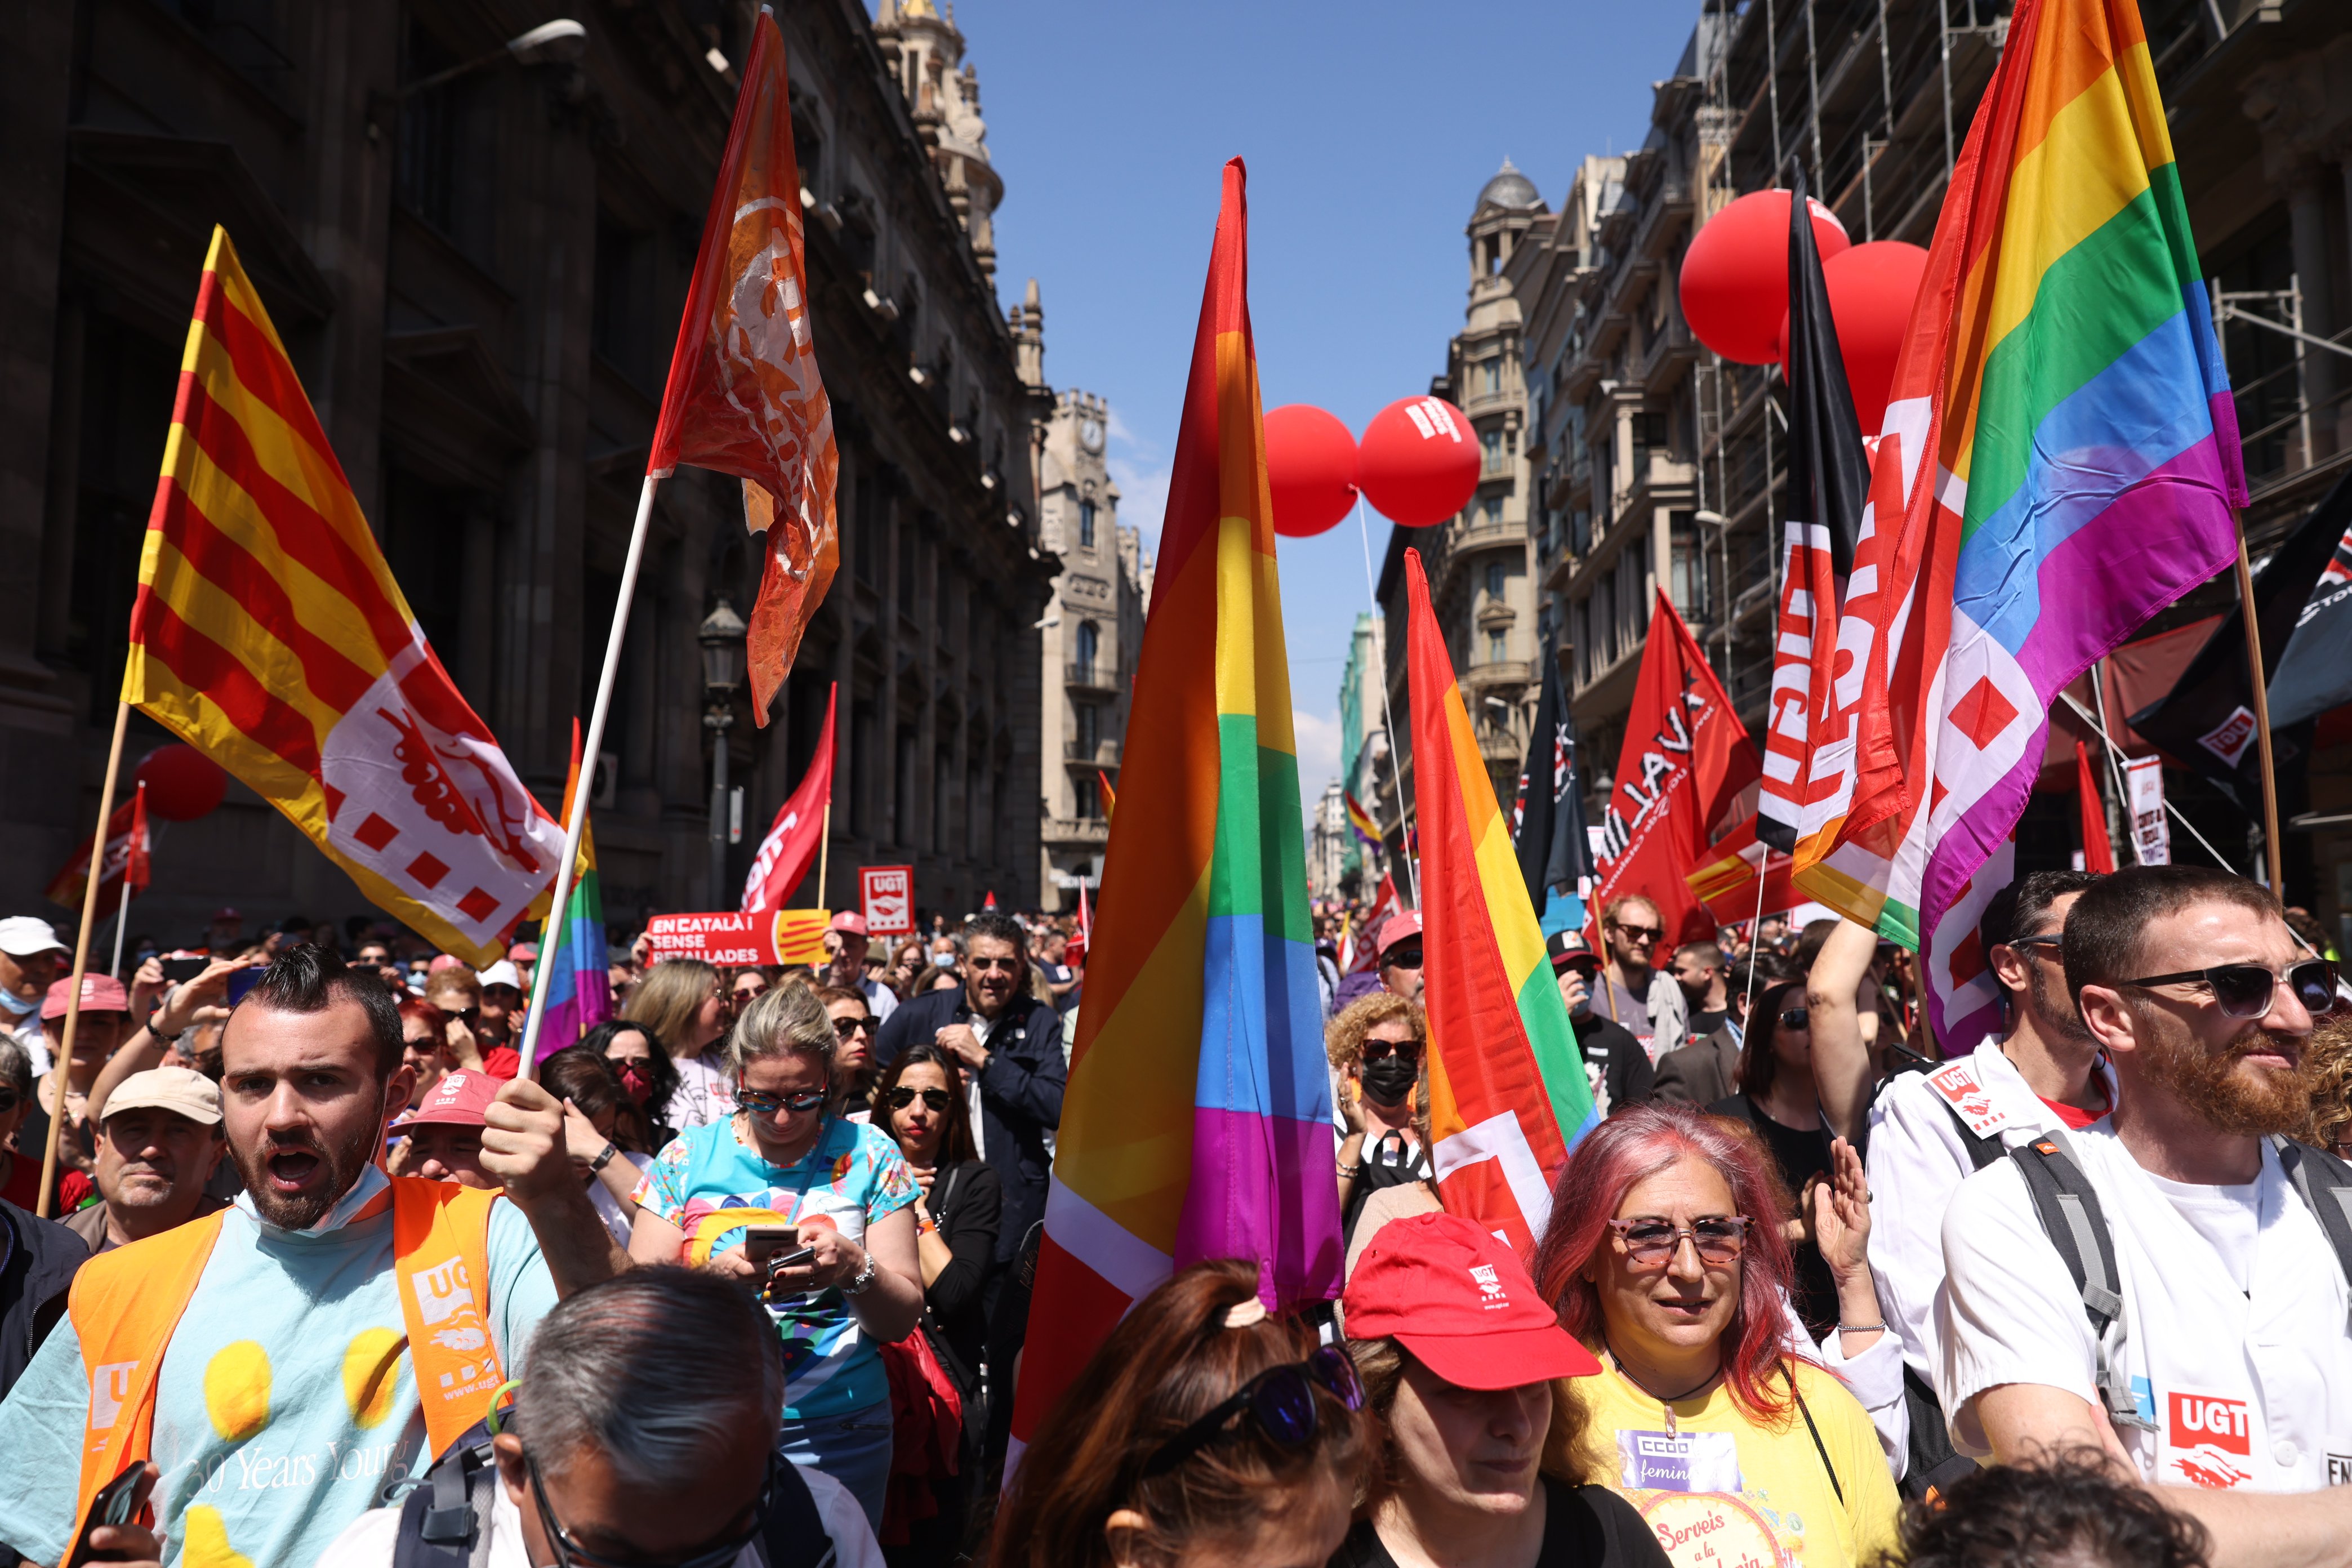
(123, 866)
(268, 634)
(798, 832)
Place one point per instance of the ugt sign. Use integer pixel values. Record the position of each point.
(887, 896)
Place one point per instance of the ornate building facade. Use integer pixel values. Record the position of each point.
(477, 267)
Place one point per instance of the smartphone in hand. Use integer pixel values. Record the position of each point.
(120, 1501)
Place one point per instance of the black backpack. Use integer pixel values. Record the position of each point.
(445, 1520)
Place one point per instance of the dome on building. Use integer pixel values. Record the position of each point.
(1509, 188)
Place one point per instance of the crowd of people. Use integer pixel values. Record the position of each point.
(743, 1275)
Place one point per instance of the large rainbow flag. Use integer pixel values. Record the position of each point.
(2059, 460)
(579, 979)
(1197, 1122)
(1507, 1095)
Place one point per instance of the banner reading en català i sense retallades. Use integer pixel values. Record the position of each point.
(729, 938)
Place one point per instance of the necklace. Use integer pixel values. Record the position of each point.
(1667, 1402)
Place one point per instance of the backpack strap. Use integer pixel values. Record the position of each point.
(2069, 1209)
(1983, 1149)
(796, 1536)
(445, 1518)
(1819, 1446)
(2325, 1184)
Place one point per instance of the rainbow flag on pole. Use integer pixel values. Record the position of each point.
(1507, 1095)
(2059, 461)
(1197, 1122)
(579, 982)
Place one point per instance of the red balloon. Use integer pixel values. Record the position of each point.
(183, 784)
(1734, 276)
(1872, 290)
(1418, 461)
(1310, 466)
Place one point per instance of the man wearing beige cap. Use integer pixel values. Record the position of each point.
(156, 1149)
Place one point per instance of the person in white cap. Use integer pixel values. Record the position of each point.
(31, 958)
(501, 1009)
(156, 1150)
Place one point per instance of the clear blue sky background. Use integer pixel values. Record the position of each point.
(1368, 129)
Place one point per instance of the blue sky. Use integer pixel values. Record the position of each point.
(1367, 130)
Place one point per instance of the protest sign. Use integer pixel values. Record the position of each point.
(887, 893)
(732, 938)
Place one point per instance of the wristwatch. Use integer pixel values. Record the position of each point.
(603, 1158)
(864, 1281)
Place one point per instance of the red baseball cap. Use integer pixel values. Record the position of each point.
(461, 1099)
(100, 993)
(1397, 927)
(849, 920)
(1460, 1301)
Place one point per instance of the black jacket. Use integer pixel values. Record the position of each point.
(1020, 1093)
(1625, 1070)
(38, 1258)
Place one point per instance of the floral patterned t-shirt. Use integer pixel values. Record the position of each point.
(852, 1175)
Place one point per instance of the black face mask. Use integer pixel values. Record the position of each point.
(1388, 1080)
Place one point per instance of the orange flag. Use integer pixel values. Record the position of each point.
(744, 396)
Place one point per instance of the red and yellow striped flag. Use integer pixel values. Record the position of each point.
(268, 634)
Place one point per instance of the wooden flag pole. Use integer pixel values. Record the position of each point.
(560, 897)
(62, 1058)
(2259, 680)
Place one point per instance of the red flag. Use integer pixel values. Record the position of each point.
(744, 396)
(1726, 878)
(1684, 761)
(2098, 849)
(125, 861)
(1367, 932)
(791, 843)
(1086, 928)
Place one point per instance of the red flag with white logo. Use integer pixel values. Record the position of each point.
(791, 843)
(123, 865)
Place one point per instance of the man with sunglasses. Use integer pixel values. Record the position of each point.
(1634, 993)
(2221, 1362)
(1009, 1046)
(1399, 965)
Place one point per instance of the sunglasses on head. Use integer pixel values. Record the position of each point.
(1281, 1400)
(763, 1104)
(1406, 1050)
(901, 1097)
(2244, 990)
(1651, 1243)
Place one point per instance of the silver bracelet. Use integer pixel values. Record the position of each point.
(1861, 1328)
(864, 1281)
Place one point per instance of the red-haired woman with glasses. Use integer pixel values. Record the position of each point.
(1666, 1258)
(1203, 1432)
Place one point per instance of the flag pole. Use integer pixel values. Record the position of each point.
(1388, 716)
(121, 918)
(2259, 679)
(824, 845)
(561, 895)
(63, 1059)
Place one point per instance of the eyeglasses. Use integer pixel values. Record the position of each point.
(1402, 957)
(1281, 1400)
(8, 1102)
(845, 1027)
(1795, 1018)
(901, 1098)
(2057, 941)
(1406, 1050)
(2244, 990)
(1651, 1243)
(1007, 965)
(569, 1551)
(1639, 933)
(760, 1104)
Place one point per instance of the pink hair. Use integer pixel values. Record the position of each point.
(1631, 1146)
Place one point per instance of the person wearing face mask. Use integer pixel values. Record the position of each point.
(647, 1076)
(1376, 1045)
(1620, 1070)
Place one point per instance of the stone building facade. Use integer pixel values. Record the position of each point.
(480, 282)
(1093, 631)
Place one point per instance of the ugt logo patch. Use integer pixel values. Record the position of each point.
(2210, 1438)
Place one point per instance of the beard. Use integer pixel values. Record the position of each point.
(2242, 1101)
(342, 1163)
(2053, 1009)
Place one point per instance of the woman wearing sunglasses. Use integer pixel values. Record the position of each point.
(1375, 1046)
(1478, 1434)
(1665, 1257)
(1203, 1432)
(786, 1162)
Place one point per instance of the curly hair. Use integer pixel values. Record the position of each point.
(2071, 1505)
(2327, 1059)
(1381, 1364)
(1632, 1145)
(1343, 1036)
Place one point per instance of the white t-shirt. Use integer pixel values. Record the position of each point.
(371, 1539)
(2235, 1387)
(702, 1098)
(1917, 1160)
(618, 1218)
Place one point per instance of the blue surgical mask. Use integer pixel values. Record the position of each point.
(17, 1007)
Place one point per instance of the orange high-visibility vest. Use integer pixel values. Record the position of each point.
(126, 1305)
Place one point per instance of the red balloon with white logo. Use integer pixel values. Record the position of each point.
(1872, 289)
(1734, 276)
(183, 784)
(1310, 467)
(1418, 461)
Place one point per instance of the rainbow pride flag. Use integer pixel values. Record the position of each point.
(1368, 830)
(2059, 460)
(1197, 1122)
(579, 979)
(1507, 1094)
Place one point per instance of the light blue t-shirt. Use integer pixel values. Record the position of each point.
(852, 1176)
(285, 1404)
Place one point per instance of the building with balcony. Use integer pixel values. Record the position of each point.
(479, 280)
(1093, 631)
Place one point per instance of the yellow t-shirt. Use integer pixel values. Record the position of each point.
(1724, 1490)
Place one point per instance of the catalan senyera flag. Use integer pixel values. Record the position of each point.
(268, 634)
(744, 396)
(1507, 1095)
(579, 979)
(1366, 829)
(1197, 1120)
(1725, 880)
(2059, 460)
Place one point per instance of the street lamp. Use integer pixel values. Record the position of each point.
(721, 636)
(561, 42)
